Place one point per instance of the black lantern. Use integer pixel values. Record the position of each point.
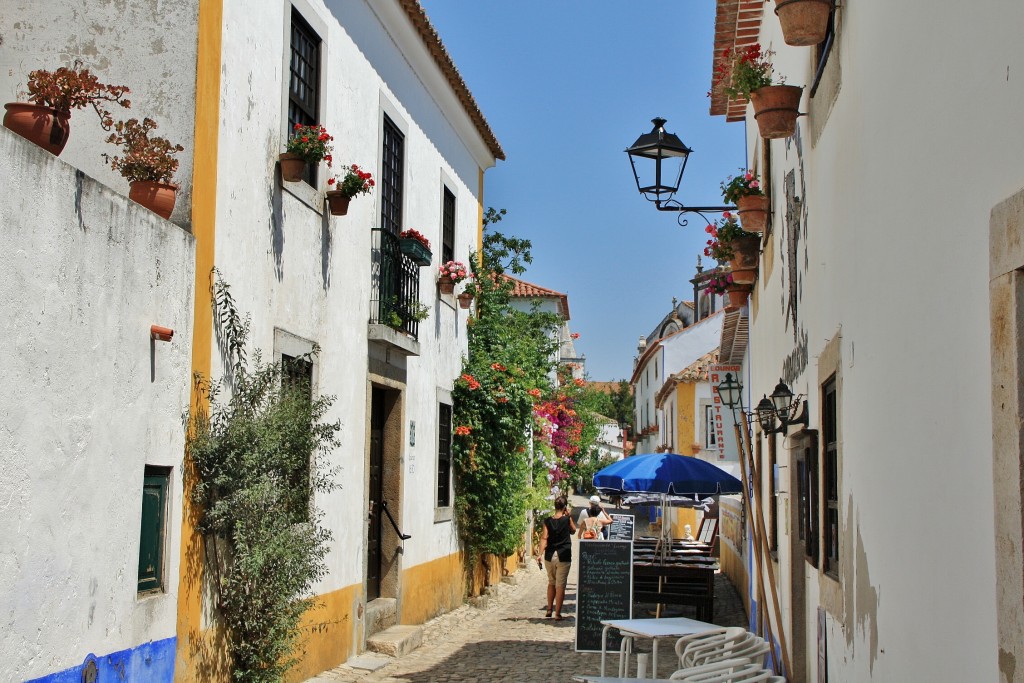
(766, 414)
(658, 159)
(661, 157)
(782, 399)
(730, 391)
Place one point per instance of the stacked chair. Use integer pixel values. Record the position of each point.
(725, 655)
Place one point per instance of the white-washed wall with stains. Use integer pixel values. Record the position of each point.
(89, 401)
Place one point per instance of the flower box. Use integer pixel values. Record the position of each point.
(415, 250)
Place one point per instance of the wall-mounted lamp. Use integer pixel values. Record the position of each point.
(160, 333)
(731, 392)
(783, 408)
(658, 159)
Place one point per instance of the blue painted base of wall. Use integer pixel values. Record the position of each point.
(152, 662)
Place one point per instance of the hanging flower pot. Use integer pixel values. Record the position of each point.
(46, 127)
(804, 22)
(738, 294)
(157, 197)
(337, 202)
(753, 211)
(293, 167)
(775, 109)
(445, 284)
(465, 300)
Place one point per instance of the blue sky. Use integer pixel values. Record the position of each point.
(566, 86)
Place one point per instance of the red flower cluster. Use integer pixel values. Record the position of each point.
(415, 235)
(355, 181)
(499, 367)
(471, 382)
(575, 335)
(534, 392)
(463, 430)
(312, 143)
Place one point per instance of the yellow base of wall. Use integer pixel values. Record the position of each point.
(328, 633)
(432, 588)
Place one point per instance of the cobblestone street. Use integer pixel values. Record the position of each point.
(510, 640)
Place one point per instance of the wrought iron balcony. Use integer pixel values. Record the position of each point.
(395, 288)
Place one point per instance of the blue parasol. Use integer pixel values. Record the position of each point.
(667, 473)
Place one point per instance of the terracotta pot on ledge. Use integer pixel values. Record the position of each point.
(293, 167)
(737, 295)
(445, 284)
(46, 127)
(157, 197)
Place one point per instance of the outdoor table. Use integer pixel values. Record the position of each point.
(655, 629)
(682, 581)
(616, 679)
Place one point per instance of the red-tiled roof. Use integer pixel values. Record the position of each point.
(437, 49)
(737, 24)
(528, 290)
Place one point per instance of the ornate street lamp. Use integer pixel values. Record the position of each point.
(782, 406)
(731, 392)
(658, 159)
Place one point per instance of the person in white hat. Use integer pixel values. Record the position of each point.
(593, 521)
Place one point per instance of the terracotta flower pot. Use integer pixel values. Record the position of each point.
(738, 295)
(337, 202)
(157, 197)
(445, 284)
(465, 300)
(44, 126)
(775, 109)
(746, 251)
(803, 22)
(753, 211)
(744, 276)
(293, 167)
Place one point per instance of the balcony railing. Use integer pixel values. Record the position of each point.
(395, 287)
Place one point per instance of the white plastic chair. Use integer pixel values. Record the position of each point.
(718, 637)
(714, 667)
(748, 646)
(746, 673)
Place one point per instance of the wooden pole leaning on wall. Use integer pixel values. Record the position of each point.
(758, 515)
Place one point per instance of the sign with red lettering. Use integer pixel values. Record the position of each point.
(716, 375)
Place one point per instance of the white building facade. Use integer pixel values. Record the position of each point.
(896, 201)
(375, 74)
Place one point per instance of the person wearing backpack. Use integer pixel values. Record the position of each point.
(593, 521)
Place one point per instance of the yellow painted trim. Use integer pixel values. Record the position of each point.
(686, 425)
(480, 218)
(198, 654)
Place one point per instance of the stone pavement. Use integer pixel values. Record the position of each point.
(510, 640)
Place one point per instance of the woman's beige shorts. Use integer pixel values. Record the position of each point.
(558, 572)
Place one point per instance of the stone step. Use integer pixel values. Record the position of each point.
(381, 614)
(396, 641)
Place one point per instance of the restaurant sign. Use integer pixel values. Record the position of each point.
(723, 418)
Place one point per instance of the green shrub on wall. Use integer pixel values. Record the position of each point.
(258, 458)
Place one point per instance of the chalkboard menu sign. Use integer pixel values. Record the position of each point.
(604, 591)
(621, 528)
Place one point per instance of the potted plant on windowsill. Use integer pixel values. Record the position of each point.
(729, 242)
(307, 145)
(450, 274)
(354, 183)
(148, 164)
(751, 202)
(747, 73)
(415, 246)
(803, 22)
(46, 118)
(414, 311)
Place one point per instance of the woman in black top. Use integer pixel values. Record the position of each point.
(556, 548)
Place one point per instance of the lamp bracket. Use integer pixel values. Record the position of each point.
(677, 207)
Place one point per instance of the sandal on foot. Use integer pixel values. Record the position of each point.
(547, 614)
(558, 617)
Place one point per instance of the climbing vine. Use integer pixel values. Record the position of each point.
(511, 356)
(258, 458)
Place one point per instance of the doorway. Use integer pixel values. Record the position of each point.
(384, 486)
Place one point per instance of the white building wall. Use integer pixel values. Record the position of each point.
(897, 187)
(309, 273)
(91, 401)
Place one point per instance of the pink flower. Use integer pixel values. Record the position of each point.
(755, 184)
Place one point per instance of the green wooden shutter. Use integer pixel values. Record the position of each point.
(151, 538)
